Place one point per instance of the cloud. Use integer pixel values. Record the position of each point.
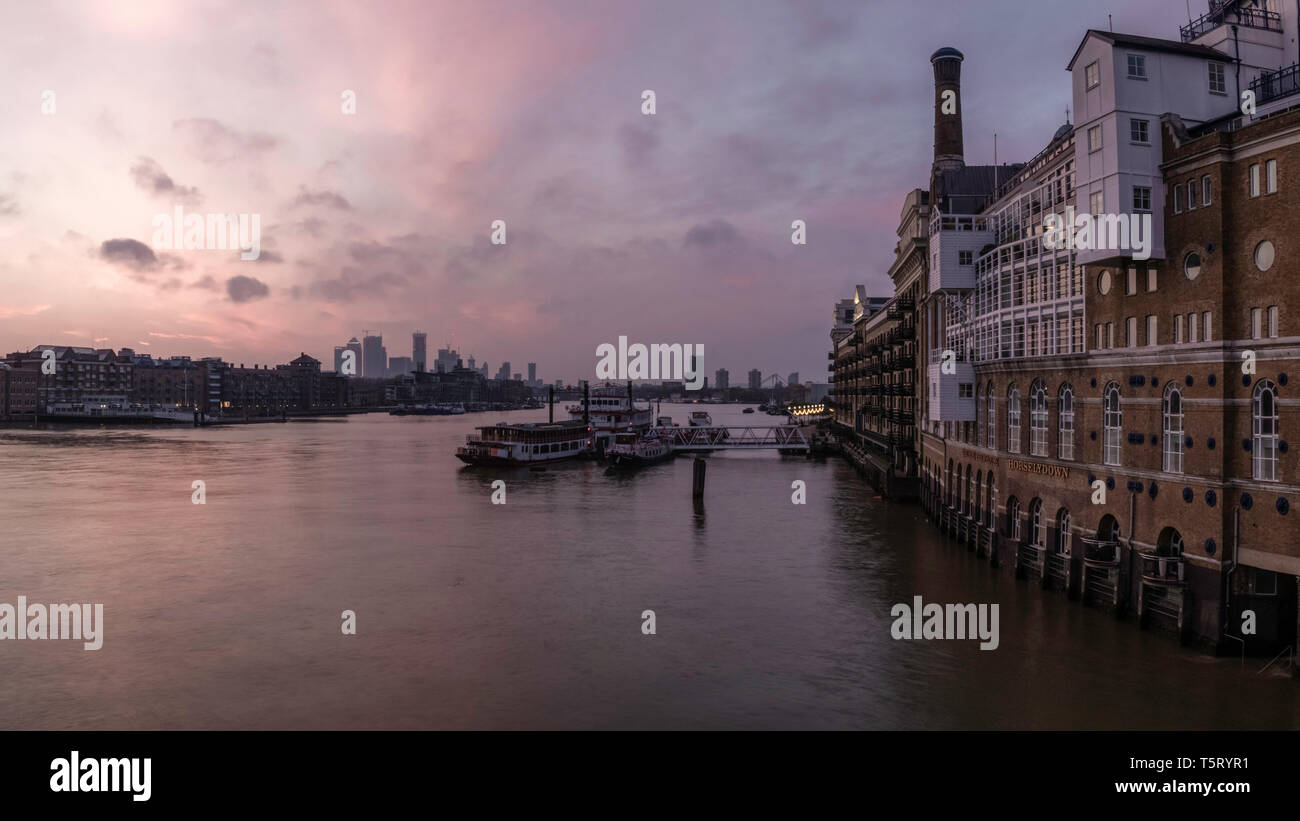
(710, 235)
(639, 141)
(17, 311)
(245, 289)
(324, 199)
(213, 142)
(8, 206)
(130, 253)
(151, 177)
(207, 283)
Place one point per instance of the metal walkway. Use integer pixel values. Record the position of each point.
(781, 437)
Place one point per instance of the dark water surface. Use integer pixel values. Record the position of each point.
(528, 614)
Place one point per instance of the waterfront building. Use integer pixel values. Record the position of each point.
(1112, 421)
(18, 391)
(722, 379)
(400, 366)
(176, 381)
(420, 350)
(78, 373)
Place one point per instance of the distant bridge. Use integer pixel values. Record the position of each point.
(780, 437)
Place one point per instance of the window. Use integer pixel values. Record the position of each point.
(1178, 329)
(1193, 328)
(991, 421)
(965, 257)
(1141, 198)
(1151, 330)
(1264, 255)
(1254, 180)
(1256, 322)
(1101, 338)
(1207, 332)
(1173, 430)
(1137, 66)
(1013, 420)
(1192, 265)
(1151, 280)
(1131, 331)
(1206, 190)
(1013, 518)
(1191, 195)
(1094, 138)
(1037, 529)
(1265, 423)
(1132, 281)
(1065, 423)
(1110, 334)
(1103, 282)
(1139, 131)
(1092, 75)
(1063, 532)
(1178, 199)
(1038, 419)
(1218, 80)
(1272, 322)
(1097, 203)
(1271, 175)
(965, 390)
(1113, 423)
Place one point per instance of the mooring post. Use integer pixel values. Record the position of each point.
(697, 486)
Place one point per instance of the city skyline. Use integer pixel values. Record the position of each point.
(387, 212)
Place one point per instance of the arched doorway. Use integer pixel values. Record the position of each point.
(1170, 543)
(1108, 530)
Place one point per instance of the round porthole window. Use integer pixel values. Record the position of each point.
(1192, 265)
(1264, 255)
(1103, 283)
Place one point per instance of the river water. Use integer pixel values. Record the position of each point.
(528, 614)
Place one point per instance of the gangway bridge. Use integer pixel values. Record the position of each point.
(701, 439)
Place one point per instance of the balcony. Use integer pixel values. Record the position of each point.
(1162, 570)
(1277, 84)
(1098, 553)
(1220, 15)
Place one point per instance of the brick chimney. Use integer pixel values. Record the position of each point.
(948, 151)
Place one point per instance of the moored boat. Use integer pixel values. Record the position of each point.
(631, 451)
(526, 444)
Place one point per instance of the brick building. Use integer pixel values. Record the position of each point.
(1110, 419)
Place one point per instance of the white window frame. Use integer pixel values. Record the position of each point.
(1254, 179)
(1092, 75)
(1038, 419)
(1113, 425)
(1270, 177)
(1013, 420)
(1207, 191)
(1137, 66)
(1272, 322)
(1172, 415)
(1065, 423)
(1265, 433)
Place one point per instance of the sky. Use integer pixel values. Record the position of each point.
(672, 227)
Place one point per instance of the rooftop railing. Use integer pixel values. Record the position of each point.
(1222, 13)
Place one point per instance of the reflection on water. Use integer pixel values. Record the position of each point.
(469, 614)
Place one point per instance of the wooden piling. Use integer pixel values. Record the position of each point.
(697, 485)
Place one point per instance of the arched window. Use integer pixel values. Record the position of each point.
(1265, 428)
(948, 486)
(967, 507)
(1013, 420)
(1169, 543)
(1065, 423)
(1063, 532)
(1013, 518)
(1037, 528)
(1037, 419)
(1113, 423)
(990, 510)
(991, 420)
(1173, 429)
(1108, 530)
(979, 496)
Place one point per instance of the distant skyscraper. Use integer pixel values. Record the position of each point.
(471, 364)
(755, 379)
(420, 350)
(447, 359)
(519, 377)
(376, 356)
(793, 379)
(723, 379)
(354, 346)
(483, 369)
(400, 365)
(504, 371)
(532, 374)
